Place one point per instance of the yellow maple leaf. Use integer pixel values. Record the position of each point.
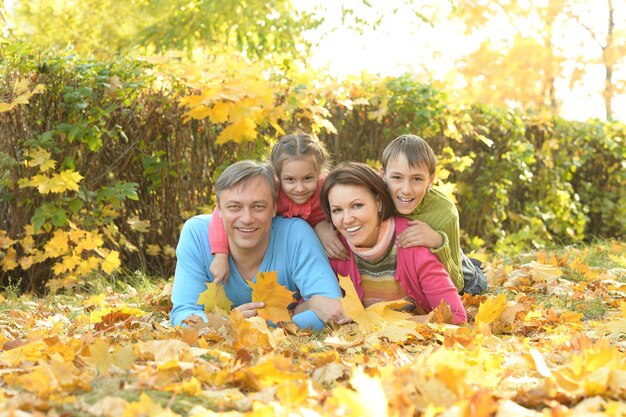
(163, 351)
(68, 263)
(275, 296)
(269, 373)
(100, 356)
(197, 113)
(238, 132)
(40, 158)
(214, 299)
(221, 111)
(250, 332)
(9, 261)
(32, 351)
(146, 407)
(57, 245)
(41, 182)
(4, 106)
(491, 309)
(368, 321)
(111, 262)
(390, 311)
(368, 399)
(66, 180)
(138, 225)
(153, 250)
(620, 260)
(123, 357)
(292, 393)
(88, 265)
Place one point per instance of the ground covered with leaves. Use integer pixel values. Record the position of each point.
(548, 339)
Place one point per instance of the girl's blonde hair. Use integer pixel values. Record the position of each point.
(296, 146)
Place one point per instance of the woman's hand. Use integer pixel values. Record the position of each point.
(250, 309)
(219, 267)
(330, 241)
(420, 234)
(326, 308)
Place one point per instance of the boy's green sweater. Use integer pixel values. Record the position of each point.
(440, 213)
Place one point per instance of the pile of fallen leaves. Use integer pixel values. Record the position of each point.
(548, 339)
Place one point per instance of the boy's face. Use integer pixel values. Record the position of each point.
(407, 185)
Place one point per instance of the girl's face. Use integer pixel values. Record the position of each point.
(298, 179)
(407, 185)
(354, 212)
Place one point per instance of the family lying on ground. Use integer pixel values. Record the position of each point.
(391, 232)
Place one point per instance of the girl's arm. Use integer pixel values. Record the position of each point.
(218, 239)
(217, 234)
(330, 241)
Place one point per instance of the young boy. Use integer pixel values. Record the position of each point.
(408, 168)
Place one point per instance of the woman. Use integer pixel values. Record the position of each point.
(356, 200)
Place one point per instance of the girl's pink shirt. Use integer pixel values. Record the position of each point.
(311, 211)
(418, 271)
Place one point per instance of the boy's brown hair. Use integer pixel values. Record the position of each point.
(417, 151)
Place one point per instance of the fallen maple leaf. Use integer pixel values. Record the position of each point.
(441, 314)
(100, 356)
(215, 300)
(490, 310)
(275, 296)
(368, 321)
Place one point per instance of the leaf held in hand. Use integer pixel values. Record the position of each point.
(275, 296)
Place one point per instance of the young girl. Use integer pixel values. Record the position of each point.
(299, 161)
(357, 201)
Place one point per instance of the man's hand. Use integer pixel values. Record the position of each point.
(249, 309)
(420, 234)
(326, 308)
(330, 241)
(219, 267)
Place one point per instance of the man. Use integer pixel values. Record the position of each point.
(258, 241)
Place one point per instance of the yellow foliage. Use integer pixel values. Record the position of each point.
(57, 245)
(21, 94)
(9, 261)
(58, 183)
(238, 132)
(40, 158)
(111, 262)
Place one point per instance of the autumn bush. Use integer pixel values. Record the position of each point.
(101, 162)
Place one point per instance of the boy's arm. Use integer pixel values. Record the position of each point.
(450, 252)
(217, 234)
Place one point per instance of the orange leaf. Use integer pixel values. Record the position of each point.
(276, 297)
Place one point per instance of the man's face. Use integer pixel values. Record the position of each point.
(247, 210)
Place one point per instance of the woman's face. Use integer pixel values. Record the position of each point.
(354, 212)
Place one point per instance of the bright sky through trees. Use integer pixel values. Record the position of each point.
(402, 42)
